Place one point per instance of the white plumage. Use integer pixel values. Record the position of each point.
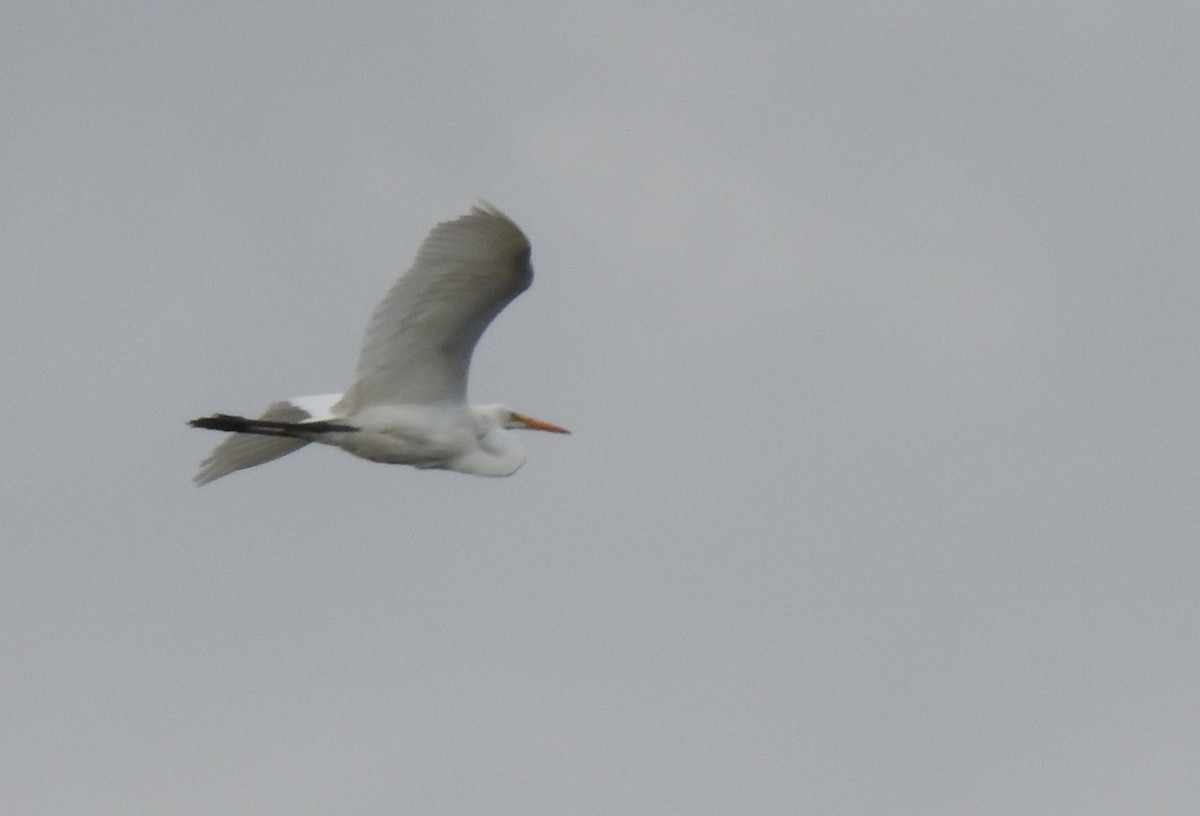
(407, 401)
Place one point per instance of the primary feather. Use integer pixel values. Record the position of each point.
(420, 338)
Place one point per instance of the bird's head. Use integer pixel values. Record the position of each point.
(492, 417)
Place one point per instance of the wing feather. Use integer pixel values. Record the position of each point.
(421, 336)
(240, 451)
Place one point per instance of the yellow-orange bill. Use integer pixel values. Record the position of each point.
(538, 425)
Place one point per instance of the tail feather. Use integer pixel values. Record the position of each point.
(278, 432)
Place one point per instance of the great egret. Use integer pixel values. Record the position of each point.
(407, 402)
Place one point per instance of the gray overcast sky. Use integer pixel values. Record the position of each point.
(876, 325)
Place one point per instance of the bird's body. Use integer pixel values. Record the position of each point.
(407, 402)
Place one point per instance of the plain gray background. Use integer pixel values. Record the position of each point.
(876, 324)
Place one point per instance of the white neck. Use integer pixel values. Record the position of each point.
(498, 452)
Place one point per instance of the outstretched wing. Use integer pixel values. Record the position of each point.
(420, 338)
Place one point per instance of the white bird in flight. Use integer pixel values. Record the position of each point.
(407, 402)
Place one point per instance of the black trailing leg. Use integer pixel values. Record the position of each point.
(266, 427)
